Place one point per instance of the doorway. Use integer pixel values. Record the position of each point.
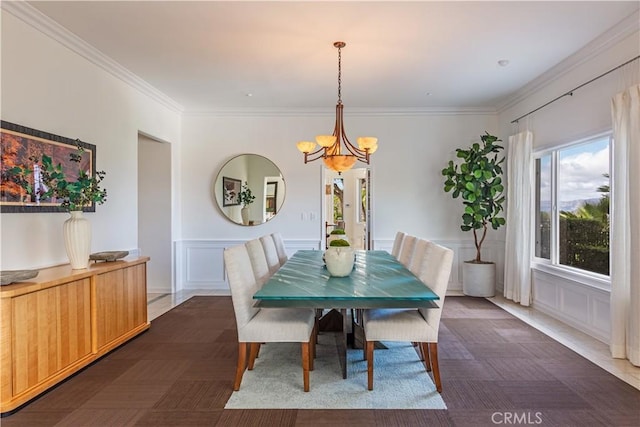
(347, 205)
(154, 211)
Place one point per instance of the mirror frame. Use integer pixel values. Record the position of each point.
(237, 171)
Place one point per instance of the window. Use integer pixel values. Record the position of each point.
(572, 205)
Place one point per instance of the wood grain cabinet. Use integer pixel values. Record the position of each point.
(64, 319)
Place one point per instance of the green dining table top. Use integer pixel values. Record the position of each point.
(377, 280)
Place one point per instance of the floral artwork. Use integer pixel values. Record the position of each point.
(20, 144)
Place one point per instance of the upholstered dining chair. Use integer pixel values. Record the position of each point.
(280, 248)
(406, 251)
(270, 252)
(418, 256)
(414, 325)
(397, 244)
(256, 326)
(258, 260)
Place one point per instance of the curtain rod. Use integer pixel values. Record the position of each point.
(570, 93)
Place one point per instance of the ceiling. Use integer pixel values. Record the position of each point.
(214, 55)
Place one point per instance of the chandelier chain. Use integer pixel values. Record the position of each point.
(339, 75)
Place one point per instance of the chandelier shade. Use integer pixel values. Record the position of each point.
(337, 153)
(339, 162)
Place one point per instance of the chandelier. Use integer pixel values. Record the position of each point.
(335, 150)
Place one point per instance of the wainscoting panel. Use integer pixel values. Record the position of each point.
(200, 263)
(583, 307)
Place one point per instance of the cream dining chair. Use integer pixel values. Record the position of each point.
(417, 258)
(256, 326)
(397, 244)
(280, 248)
(258, 260)
(406, 251)
(413, 325)
(271, 253)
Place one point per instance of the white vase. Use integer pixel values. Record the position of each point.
(77, 240)
(244, 213)
(339, 260)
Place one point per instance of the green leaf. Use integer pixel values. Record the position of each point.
(470, 186)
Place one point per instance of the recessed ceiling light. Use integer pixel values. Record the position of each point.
(249, 94)
(428, 93)
(503, 62)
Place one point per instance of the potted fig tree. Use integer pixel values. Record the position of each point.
(476, 179)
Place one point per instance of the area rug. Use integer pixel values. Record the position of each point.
(400, 380)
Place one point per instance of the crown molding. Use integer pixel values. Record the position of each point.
(617, 33)
(39, 21)
(352, 112)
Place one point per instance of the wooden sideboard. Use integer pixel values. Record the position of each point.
(59, 322)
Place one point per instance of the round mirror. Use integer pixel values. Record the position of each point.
(249, 189)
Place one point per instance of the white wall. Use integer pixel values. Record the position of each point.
(46, 86)
(586, 113)
(405, 171)
(406, 180)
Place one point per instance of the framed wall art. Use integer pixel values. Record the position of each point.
(231, 191)
(19, 144)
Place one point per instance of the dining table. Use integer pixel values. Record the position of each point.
(378, 280)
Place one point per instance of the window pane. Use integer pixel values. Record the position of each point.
(338, 199)
(543, 207)
(583, 202)
(362, 184)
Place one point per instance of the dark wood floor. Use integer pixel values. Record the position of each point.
(496, 370)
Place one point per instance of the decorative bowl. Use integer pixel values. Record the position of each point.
(10, 276)
(108, 255)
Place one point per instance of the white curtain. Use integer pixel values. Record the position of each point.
(520, 179)
(625, 240)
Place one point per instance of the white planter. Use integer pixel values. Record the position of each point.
(479, 280)
(339, 260)
(77, 240)
(244, 213)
